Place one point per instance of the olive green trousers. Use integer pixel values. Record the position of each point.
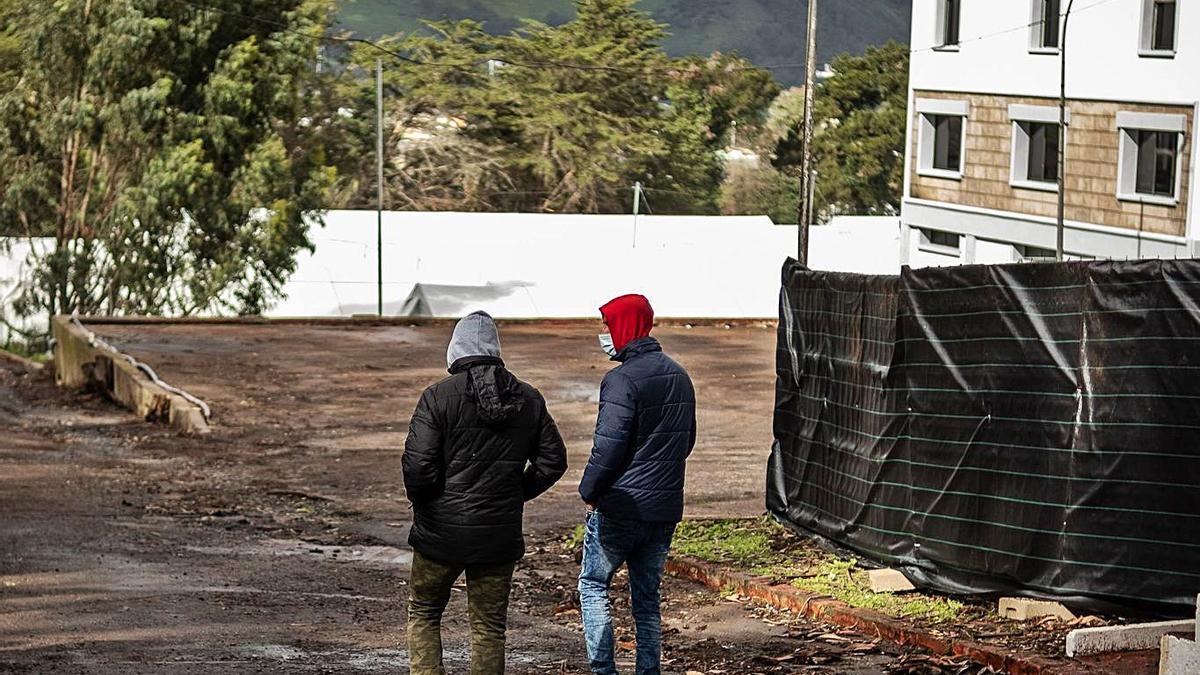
(487, 606)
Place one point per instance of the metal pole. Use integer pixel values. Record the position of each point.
(379, 179)
(1062, 134)
(812, 205)
(637, 208)
(810, 77)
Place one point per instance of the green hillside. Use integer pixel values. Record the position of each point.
(769, 32)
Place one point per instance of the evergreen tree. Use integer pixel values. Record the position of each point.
(859, 142)
(555, 118)
(164, 148)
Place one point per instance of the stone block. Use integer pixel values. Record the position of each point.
(889, 581)
(1027, 609)
(1178, 656)
(1131, 638)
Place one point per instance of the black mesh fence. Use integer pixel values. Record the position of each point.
(1023, 428)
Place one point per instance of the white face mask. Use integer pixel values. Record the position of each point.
(606, 344)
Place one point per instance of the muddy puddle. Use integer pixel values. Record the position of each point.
(379, 556)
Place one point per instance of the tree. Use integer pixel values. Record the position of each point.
(552, 118)
(760, 190)
(10, 71)
(737, 91)
(859, 142)
(448, 123)
(165, 149)
(10, 43)
(592, 118)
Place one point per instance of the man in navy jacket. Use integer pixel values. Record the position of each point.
(633, 483)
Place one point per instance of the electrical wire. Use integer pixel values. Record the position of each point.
(320, 37)
(1007, 31)
(463, 66)
(338, 39)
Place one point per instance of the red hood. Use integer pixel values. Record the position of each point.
(629, 317)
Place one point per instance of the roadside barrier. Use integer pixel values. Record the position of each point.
(1027, 429)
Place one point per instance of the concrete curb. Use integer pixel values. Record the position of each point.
(822, 608)
(78, 364)
(21, 361)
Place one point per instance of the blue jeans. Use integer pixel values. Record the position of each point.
(607, 544)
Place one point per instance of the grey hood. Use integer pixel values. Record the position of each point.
(475, 349)
(475, 335)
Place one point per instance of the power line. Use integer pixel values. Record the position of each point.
(320, 37)
(1006, 31)
(338, 39)
(539, 64)
(674, 192)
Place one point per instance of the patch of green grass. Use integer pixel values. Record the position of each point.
(36, 352)
(841, 580)
(763, 547)
(759, 546)
(574, 540)
(724, 540)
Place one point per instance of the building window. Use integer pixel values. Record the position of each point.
(1151, 149)
(1027, 253)
(947, 142)
(942, 137)
(949, 19)
(1041, 162)
(1036, 140)
(943, 243)
(1157, 154)
(1046, 24)
(1160, 27)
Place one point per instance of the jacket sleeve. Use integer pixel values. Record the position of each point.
(616, 429)
(548, 462)
(424, 469)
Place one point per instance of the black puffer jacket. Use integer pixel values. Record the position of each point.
(481, 443)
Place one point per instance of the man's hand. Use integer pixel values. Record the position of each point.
(589, 507)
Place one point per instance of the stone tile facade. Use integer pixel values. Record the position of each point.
(1092, 165)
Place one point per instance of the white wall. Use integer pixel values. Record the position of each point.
(566, 266)
(14, 253)
(563, 266)
(1103, 63)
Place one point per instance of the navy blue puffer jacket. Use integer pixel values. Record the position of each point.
(644, 433)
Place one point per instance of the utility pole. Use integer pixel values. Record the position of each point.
(379, 180)
(811, 196)
(637, 208)
(1062, 134)
(806, 171)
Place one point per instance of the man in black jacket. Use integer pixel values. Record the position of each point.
(481, 443)
(633, 483)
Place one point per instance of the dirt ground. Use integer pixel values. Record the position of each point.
(277, 543)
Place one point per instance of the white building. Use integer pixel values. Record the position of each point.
(981, 174)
